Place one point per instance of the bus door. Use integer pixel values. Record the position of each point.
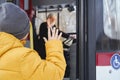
(82, 22)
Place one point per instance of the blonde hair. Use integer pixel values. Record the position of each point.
(50, 16)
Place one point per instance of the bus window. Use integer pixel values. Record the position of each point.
(108, 38)
(112, 18)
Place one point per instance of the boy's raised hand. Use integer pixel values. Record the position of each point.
(54, 35)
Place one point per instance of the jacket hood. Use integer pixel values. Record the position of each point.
(8, 42)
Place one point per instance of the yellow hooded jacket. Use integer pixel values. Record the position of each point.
(20, 63)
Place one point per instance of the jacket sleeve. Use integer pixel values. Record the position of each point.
(53, 68)
(65, 35)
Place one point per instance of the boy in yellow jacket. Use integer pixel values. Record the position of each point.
(20, 63)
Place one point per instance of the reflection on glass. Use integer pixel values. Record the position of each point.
(112, 18)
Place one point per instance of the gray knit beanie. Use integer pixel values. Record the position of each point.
(13, 20)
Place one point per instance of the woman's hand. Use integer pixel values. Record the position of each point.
(53, 36)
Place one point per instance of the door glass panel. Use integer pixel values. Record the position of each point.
(66, 22)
